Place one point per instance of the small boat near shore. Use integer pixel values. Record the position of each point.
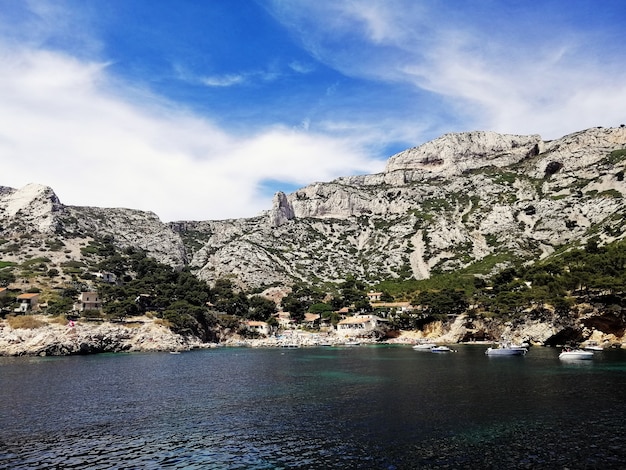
(506, 349)
(575, 354)
(593, 346)
(440, 349)
(424, 346)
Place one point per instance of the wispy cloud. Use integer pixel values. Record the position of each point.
(223, 80)
(499, 70)
(62, 124)
(361, 78)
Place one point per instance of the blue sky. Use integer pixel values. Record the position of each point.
(203, 109)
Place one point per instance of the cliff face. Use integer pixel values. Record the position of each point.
(441, 206)
(35, 216)
(462, 198)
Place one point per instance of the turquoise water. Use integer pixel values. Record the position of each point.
(366, 407)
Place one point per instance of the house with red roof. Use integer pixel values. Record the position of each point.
(28, 302)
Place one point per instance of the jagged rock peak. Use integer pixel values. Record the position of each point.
(33, 204)
(29, 195)
(451, 154)
(282, 210)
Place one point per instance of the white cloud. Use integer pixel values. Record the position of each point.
(63, 124)
(495, 72)
(223, 80)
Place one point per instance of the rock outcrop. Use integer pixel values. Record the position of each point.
(32, 208)
(53, 339)
(452, 154)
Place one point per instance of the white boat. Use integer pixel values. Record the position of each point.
(506, 349)
(593, 346)
(440, 349)
(424, 346)
(575, 354)
(352, 343)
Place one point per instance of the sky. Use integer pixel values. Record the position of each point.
(202, 110)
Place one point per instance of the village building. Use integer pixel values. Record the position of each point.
(284, 320)
(3, 292)
(312, 319)
(88, 301)
(374, 296)
(360, 325)
(343, 311)
(259, 327)
(27, 302)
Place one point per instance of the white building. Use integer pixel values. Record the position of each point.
(360, 325)
(260, 327)
(88, 301)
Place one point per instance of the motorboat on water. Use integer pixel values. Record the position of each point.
(507, 349)
(424, 346)
(593, 346)
(440, 349)
(576, 354)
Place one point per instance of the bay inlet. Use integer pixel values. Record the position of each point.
(371, 407)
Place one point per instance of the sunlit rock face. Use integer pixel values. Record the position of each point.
(31, 208)
(440, 206)
(452, 154)
(460, 199)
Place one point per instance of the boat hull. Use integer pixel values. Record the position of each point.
(576, 355)
(506, 351)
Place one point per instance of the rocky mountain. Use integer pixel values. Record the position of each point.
(474, 199)
(462, 199)
(33, 222)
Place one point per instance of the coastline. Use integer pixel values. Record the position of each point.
(58, 337)
(140, 334)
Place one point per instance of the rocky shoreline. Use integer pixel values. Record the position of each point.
(54, 337)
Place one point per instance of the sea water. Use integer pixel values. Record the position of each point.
(370, 407)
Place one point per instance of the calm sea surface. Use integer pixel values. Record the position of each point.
(370, 407)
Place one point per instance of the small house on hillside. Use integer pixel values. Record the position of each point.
(374, 296)
(312, 319)
(3, 292)
(107, 277)
(284, 320)
(88, 301)
(259, 327)
(28, 302)
(360, 325)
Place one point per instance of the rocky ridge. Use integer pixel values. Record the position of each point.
(444, 205)
(33, 215)
(447, 204)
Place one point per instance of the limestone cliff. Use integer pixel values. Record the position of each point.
(460, 199)
(35, 216)
(447, 204)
